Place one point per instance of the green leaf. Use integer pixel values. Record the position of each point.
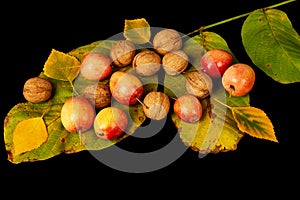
(61, 66)
(254, 122)
(171, 86)
(137, 31)
(273, 44)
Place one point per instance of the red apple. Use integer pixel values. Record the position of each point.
(238, 79)
(188, 108)
(96, 66)
(215, 61)
(125, 87)
(77, 114)
(110, 123)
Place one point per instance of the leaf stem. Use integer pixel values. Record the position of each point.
(46, 110)
(281, 3)
(217, 100)
(74, 89)
(235, 18)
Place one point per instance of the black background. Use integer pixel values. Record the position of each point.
(30, 31)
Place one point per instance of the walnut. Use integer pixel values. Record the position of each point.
(122, 53)
(98, 94)
(167, 40)
(156, 105)
(175, 62)
(37, 90)
(146, 63)
(199, 84)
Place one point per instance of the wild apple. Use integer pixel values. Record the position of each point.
(96, 66)
(77, 114)
(215, 61)
(110, 123)
(238, 79)
(125, 87)
(188, 108)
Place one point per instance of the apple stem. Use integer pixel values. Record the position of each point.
(80, 137)
(142, 103)
(174, 98)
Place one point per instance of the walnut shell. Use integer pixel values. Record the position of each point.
(199, 84)
(146, 63)
(37, 90)
(98, 94)
(175, 62)
(167, 40)
(156, 105)
(122, 53)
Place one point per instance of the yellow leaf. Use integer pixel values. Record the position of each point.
(137, 31)
(61, 66)
(255, 122)
(29, 134)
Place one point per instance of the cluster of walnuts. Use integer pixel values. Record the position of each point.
(166, 52)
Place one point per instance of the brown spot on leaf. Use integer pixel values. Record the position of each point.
(6, 119)
(10, 156)
(268, 65)
(141, 119)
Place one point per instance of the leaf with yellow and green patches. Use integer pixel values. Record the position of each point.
(217, 130)
(61, 66)
(137, 31)
(254, 122)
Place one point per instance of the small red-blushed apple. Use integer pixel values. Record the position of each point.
(125, 87)
(188, 108)
(110, 123)
(96, 66)
(77, 114)
(238, 79)
(215, 61)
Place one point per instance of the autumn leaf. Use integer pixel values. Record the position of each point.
(100, 46)
(254, 121)
(29, 134)
(61, 66)
(137, 31)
